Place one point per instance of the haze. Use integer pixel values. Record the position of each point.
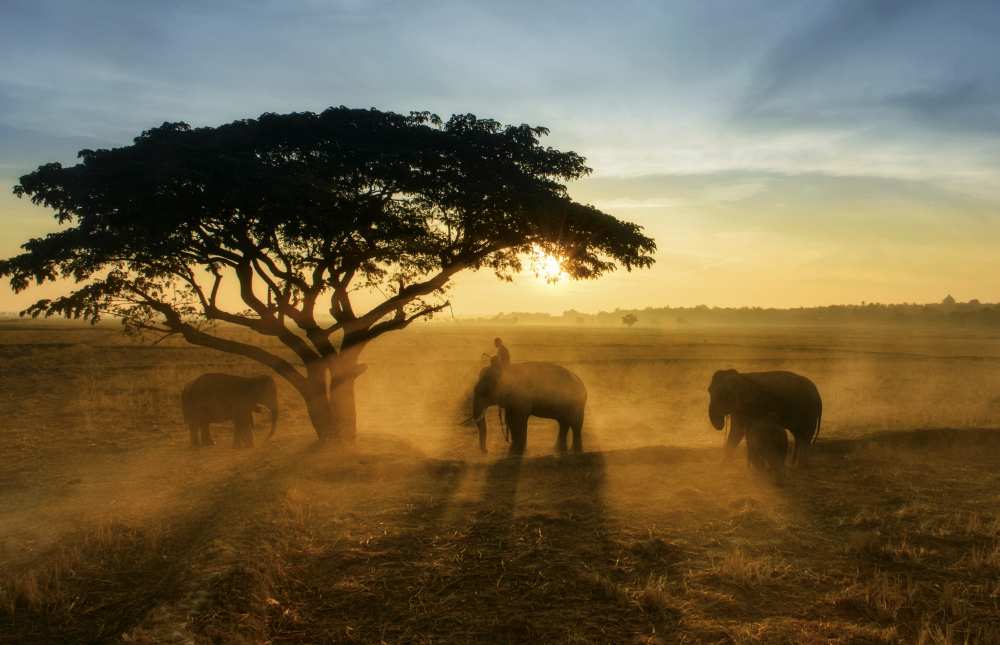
(780, 153)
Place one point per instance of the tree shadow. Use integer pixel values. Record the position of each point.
(876, 511)
(532, 559)
(84, 588)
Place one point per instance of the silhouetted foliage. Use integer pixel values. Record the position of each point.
(301, 209)
(629, 319)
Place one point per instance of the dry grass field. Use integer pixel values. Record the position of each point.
(113, 530)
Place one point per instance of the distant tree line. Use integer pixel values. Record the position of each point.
(946, 312)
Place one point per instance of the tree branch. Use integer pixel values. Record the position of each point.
(195, 336)
(244, 273)
(394, 324)
(404, 296)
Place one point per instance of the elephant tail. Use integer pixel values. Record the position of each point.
(819, 418)
(274, 423)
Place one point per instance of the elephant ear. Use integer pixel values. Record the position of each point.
(263, 383)
(751, 396)
(723, 379)
(489, 379)
(745, 392)
(732, 390)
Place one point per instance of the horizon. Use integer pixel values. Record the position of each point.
(474, 316)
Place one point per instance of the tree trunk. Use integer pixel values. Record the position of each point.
(344, 409)
(343, 371)
(330, 402)
(319, 409)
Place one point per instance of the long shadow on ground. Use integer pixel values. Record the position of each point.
(897, 517)
(94, 587)
(530, 560)
(654, 544)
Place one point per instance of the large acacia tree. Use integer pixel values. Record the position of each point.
(298, 212)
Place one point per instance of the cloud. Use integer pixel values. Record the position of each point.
(849, 86)
(971, 106)
(815, 206)
(22, 150)
(914, 74)
(962, 108)
(840, 31)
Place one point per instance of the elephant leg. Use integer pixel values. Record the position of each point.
(518, 432)
(759, 454)
(522, 437)
(799, 446)
(195, 436)
(762, 456)
(736, 432)
(778, 469)
(206, 435)
(800, 454)
(240, 430)
(248, 431)
(561, 441)
(578, 434)
(778, 454)
(753, 460)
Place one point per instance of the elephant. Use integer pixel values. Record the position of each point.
(224, 397)
(792, 399)
(767, 446)
(529, 389)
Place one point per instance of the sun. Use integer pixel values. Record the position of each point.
(547, 267)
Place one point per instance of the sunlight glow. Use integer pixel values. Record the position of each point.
(547, 267)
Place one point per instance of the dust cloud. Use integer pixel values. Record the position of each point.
(99, 420)
(649, 387)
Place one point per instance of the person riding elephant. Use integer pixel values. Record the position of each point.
(502, 358)
(529, 389)
(214, 397)
(793, 400)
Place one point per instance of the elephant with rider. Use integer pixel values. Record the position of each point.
(213, 398)
(790, 400)
(523, 390)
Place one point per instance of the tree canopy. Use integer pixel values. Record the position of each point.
(300, 211)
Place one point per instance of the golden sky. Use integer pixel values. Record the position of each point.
(734, 239)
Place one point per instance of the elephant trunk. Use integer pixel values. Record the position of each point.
(716, 415)
(479, 415)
